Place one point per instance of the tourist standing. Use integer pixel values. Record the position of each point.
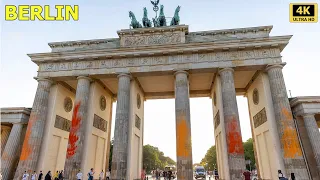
(40, 176)
(90, 174)
(108, 175)
(25, 176)
(56, 175)
(48, 176)
(101, 175)
(247, 175)
(143, 174)
(34, 176)
(79, 175)
(61, 175)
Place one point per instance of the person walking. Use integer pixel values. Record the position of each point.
(79, 175)
(25, 176)
(48, 176)
(90, 174)
(143, 174)
(101, 175)
(247, 175)
(40, 176)
(34, 176)
(216, 175)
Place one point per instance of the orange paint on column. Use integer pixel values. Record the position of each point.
(234, 139)
(26, 149)
(289, 139)
(75, 125)
(183, 141)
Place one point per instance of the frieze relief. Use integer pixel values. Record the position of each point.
(257, 55)
(155, 39)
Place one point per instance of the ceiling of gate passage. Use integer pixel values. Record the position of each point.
(161, 86)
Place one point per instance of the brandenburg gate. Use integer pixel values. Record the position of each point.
(70, 120)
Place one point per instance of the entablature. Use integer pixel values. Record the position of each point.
(160, 50)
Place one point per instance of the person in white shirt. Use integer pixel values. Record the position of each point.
(101, 175)
(108, 175)
(25, 176)
(79, 175)
(34, 175)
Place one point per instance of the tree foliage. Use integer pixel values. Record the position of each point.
(153, 158)
(211, 156)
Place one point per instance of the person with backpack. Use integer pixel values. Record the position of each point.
(90, 174)
(61, 175)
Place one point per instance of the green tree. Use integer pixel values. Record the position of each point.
(210, 159)
(249, 153)
(110, 154)
(211, 156)
(153, 158)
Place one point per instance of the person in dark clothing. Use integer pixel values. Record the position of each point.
(40, 176)
(293, 177)
(61, 175)
(48, 176)
(247, 175)
(169, 174)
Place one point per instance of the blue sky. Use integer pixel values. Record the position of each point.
(101, 19)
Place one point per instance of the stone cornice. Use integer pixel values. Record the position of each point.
(237, 30)
(277, 41)
(81, 42)
(184, 28)
(304, 99)
(16, 110)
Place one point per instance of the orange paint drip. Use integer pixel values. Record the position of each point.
(289, 139)
(75, 125)
(26, 149)
(234, 139)
(183, 143)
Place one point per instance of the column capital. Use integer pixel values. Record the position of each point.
(271, 66)
(181, 71)
(225, 69)
(124, 74)
(44, 79)
(85, 77)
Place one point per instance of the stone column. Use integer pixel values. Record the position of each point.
(10, 155)
(34, 134)
(5, 131)
(314, 136)
(121, 133)
(235, 149)
(76, 144)
(290, 146)
(183, 127)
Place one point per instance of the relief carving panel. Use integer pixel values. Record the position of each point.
(260, 118)
(62, 123)
(155, 39)
(100, 123)
(137, 122)
(217, 120)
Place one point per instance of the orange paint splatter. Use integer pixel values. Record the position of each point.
(289, 139)
(234, 139)
(75, 125)
(183, 140)
(26, 149)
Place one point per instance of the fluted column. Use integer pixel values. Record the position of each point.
(34, 134)
(183, 127)
(290, 145)
(10, 154)
(121, 133)
(235, 149)
(76, 144)
(5, 131)
(314, 136)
